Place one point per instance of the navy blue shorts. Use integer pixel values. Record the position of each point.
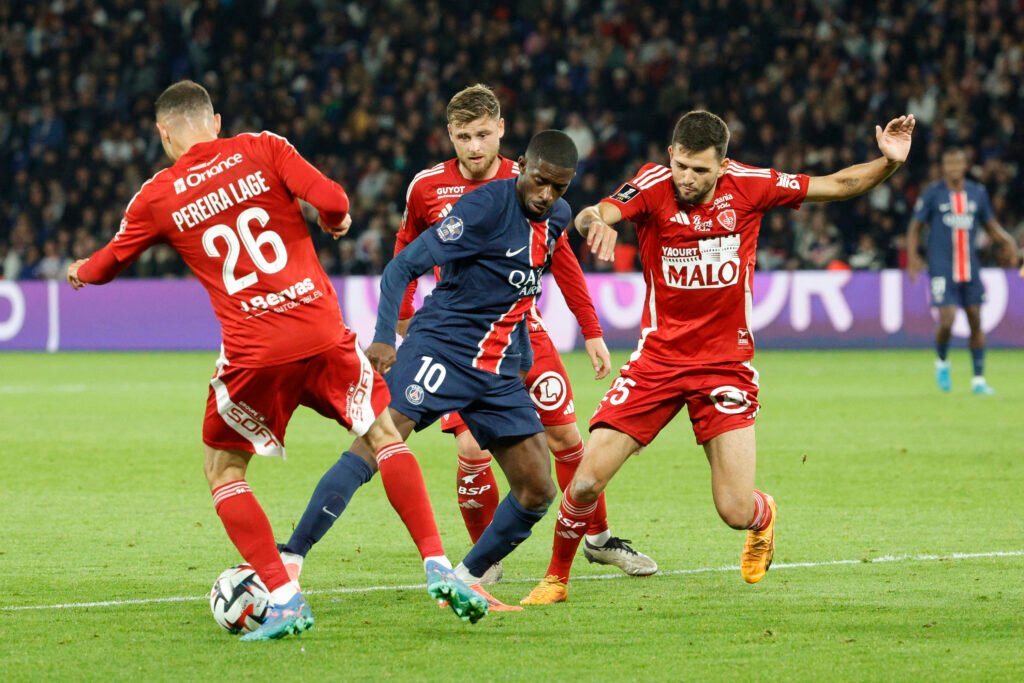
(945, 292)
(425, 384)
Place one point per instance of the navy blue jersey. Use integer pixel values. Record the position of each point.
(492, 257)
(953, 219)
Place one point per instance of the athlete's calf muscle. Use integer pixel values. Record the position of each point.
(606, 452)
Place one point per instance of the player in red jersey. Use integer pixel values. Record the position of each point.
(475, 127)
(697, 221)
(229, 207)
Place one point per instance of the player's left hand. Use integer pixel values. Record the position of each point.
(73, 274)
(894, 141)
(601, 238)
(336, 231)
(600, 359)
(381, 356)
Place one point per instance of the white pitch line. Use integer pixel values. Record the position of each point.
(671, 572)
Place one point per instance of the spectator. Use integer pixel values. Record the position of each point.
(362, 91)
(819, 245)
(776, 244)
(867, 256)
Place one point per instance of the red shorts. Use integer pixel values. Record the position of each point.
(248, 409)
(548, 383)
(646, 395)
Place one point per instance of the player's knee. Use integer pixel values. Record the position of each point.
(470, 450)
(585, 489)
(563, 437)
(222, 468)
(538, 495)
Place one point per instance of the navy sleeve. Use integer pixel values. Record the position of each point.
(408, 265)
(468, 230)
(985, 213)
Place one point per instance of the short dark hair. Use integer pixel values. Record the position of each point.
(698, 130)
(184, 97)
(953, 150)
(554, 147)
(472, 103)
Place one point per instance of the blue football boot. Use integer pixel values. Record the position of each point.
(443, 585)
(289, 619)
(942, 377)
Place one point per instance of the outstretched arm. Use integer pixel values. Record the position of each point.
(594, 223)
(893, 142)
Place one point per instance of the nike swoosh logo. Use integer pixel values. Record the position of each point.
(510, 253)
(324, 508)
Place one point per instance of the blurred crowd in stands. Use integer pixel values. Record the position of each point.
(360, 89)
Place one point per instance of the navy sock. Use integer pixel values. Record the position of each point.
(978, 361)
(511, 526)
(942, 350)
(329, 499)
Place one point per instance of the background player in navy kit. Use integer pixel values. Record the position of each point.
(952, 209)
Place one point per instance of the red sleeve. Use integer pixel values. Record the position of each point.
(102, 267)
(137, 234)
(569, 277)
(303, 180)
(631, 198)
(411, 227)
(769, 188)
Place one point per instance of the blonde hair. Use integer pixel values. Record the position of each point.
(472, 103)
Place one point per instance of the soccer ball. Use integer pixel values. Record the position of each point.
(239, 600)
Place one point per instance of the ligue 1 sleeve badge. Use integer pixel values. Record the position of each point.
(450, 229)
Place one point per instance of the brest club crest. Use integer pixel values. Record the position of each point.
(727, 219)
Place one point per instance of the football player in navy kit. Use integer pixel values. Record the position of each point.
(468, 343)
(953, 209)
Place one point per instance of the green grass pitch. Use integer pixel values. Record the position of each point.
(102, 498)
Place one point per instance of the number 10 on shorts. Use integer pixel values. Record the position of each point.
(431, 374)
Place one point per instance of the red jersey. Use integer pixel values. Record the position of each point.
(432, 194)
(228, 206)
(698, 259)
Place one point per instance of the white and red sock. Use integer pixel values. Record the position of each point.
(477, 493)
(566, 462)
(573, 520)
(403, 484)
(249, 529)
(762, 512)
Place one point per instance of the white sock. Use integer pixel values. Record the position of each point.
(977, 379)
(440, 559)
(465, 576)
(599, 539)
(283, 594)
(939, 363)
(292, 558)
